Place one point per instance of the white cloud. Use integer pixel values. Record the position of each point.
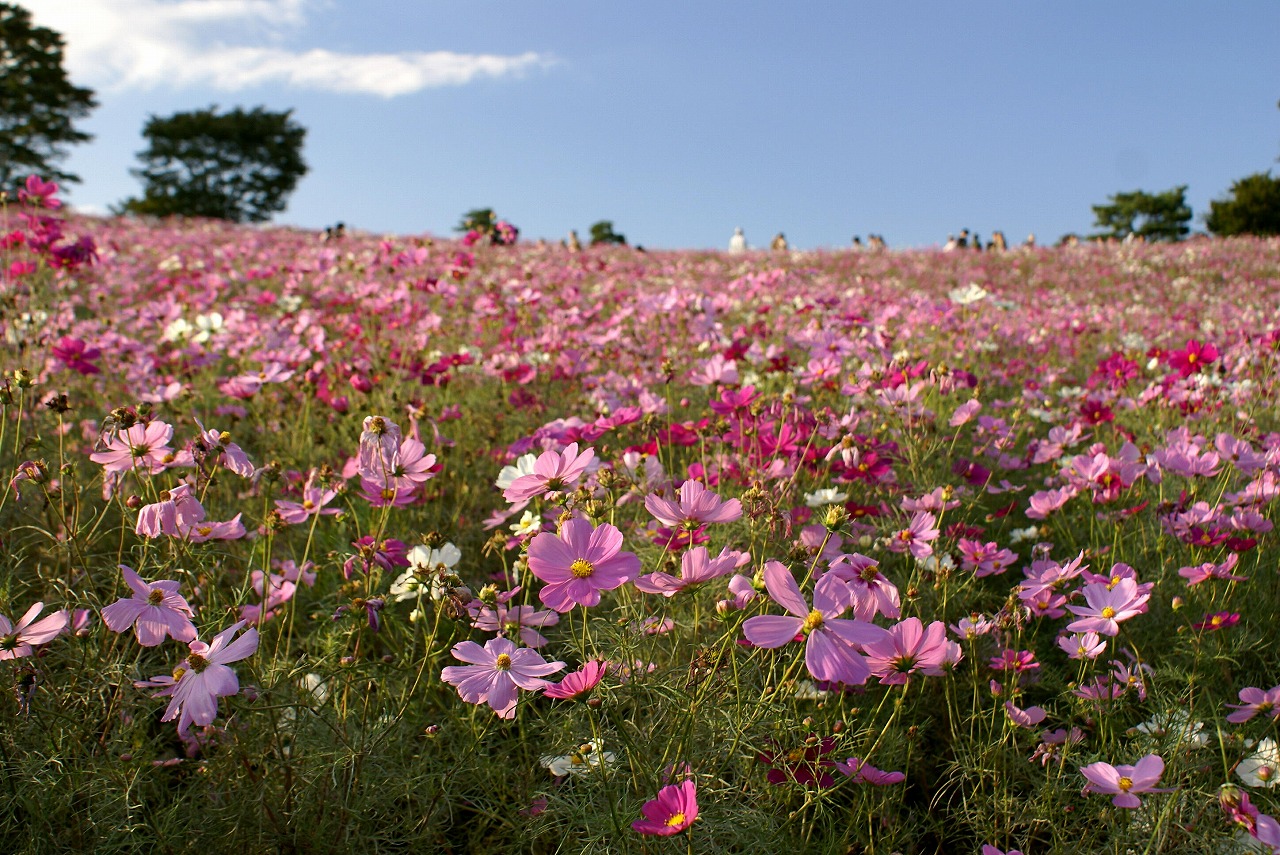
(145, 44)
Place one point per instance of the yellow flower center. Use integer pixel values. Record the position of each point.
(197, 662)
(1108, 612)
(503, 662)
(1124, 784)
(812, 622)
(581, 568)
(156, 597)
(676, 819)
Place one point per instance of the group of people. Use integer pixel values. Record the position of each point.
(997, 243)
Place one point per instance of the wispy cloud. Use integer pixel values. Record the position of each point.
(145, 44)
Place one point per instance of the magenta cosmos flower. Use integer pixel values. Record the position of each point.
(18, 640)
(578, 683)
(674, 810)
(551, 471)
(1125, 781)
(830, 641)
(205, 675)
(496, 671)
(155, 610)
(1255, 701)
(579, 563)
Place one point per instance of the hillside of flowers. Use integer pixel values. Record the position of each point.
(400, 543)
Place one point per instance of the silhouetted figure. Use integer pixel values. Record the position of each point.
(962, 242)
(335, 232)
(574, 244)
(779, 243)
(951, 245)
(876, 242)
(977, 243)
(1030, 242)
(738, 243)
(998, 242)
(857, 243)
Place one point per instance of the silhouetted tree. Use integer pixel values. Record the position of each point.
(1160, 216)
(603, 233)
(38, 104)
(239, 166)
(1253, 208)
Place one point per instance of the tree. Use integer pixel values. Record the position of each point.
(239, 166)
(480, 220)
(37, 103)
(1161, 216)
(602, 232)
(1252, 209)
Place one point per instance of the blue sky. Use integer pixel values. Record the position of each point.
(680, 120)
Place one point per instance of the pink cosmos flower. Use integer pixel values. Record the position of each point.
(232, 529)
(696, 505)
(1108, 607)
(674, 810)
(496, 671)
(1255, 701)
(176, 510)
(830, 652)
(379, 441)
(552, 471)
(907, 648)
(39, 193)
(916, 537)
(696, 567)
(275, 590)
(155, 611)
(579, 563)
(76, 355)
(204, 676)
(1209, 570)
(1125, 781)
(314, 498)
(144, 447)
(1028, 717)
(872, 593)
(1217, 621)
(863, 772)
(988, 849)
(218, 445)
(19, 640)
(1082, 645)
(578, 683)
(510, 621)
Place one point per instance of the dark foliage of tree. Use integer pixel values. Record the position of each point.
(239, 166)
(38, 104)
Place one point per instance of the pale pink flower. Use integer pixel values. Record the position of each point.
(177, 510)
(144, 447)
(1255, 701)
(579, 563)
(1125, 781)
(830, 641)
(19, 640)
(314, 498)
(379, 442)
(908, 647)
(204, 676)
(1108, 607)
(695, 506)
(552, 471)
(863, 772)
(696, 567)
(155, 611)
(495, 673)
(218, 445)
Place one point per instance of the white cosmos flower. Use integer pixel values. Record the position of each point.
(579, 762)
(522, 466)
(969, 294)
(1262, 768)
(827, 496)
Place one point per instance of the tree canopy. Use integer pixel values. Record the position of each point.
(603, 233)
(239, 166)
(1159, 216)
(38, 104)
(1253, 208)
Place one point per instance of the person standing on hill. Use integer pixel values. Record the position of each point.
(738, 243)
(779, 243)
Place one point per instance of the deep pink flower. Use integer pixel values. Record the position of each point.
(1125, 781)
(578, 683)
(19, 640)
(1192, 358)
(496, 671)
(155, 611)
(1217, 621)
(204, 676)
(552, 471)
(579, 563)
(916, 537)
(76, 355)
(1209, 570)
(830, 641)
(674, 810)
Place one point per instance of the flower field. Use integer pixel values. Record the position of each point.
(391, 544)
